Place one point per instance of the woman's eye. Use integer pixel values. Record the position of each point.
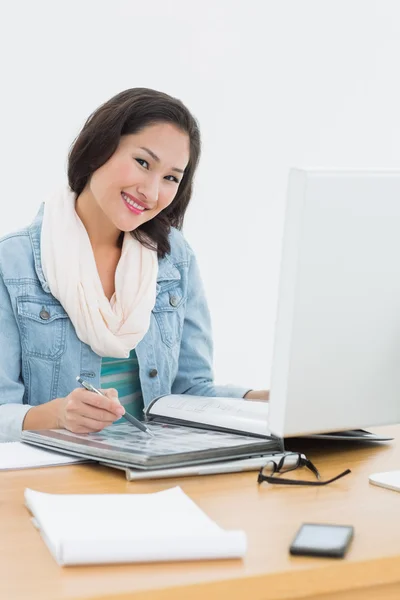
(172, 178)
(142, 162)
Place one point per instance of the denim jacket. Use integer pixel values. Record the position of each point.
(41, 355)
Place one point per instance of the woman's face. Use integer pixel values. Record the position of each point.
(142, 176)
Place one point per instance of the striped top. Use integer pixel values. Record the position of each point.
(123, 375)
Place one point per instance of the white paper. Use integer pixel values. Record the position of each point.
(114, 528)
(16, 455)
(231, 413)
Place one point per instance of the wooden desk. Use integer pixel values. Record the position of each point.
(270, 515)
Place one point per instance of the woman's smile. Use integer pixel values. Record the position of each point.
(133, 204)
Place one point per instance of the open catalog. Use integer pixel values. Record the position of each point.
(187, 430)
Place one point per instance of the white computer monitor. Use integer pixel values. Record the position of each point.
(336, 359)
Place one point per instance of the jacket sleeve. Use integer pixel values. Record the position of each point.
(195, 369)
(12, 409)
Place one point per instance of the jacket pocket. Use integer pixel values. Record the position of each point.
(168, 312)
(43, 325)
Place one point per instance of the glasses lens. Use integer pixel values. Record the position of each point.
(290, 463)
(268, 469)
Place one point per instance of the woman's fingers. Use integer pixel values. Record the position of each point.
(87, 411)
(108, 403)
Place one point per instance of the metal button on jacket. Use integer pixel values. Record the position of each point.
(44, 314)
(174, 300)
(153, 373)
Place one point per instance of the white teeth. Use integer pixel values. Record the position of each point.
(132, 203)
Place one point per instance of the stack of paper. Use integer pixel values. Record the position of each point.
(15, 455)
(121, 528)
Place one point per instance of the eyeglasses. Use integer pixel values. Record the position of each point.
(272, 470)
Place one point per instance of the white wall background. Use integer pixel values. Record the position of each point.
(274, 84)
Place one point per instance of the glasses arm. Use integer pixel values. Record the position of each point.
(307, 463)
(284, 481)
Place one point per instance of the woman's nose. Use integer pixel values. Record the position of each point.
(150, 190)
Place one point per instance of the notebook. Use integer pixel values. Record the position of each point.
(161, 526)
(213, 468)
(187, 430)
(15, 455)
(226, 414)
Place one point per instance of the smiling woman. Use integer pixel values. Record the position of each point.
(106, 286)
(135, 181)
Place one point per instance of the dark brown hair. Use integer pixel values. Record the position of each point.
(129, 112)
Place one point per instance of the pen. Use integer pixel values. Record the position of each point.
(127, 416)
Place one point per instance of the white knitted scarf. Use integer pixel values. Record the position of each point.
(111, 328)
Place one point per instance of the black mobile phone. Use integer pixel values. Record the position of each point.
(317, 539)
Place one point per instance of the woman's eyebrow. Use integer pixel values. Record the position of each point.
(155, 157)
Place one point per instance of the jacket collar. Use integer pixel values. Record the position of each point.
(167, 271)
(35, 229)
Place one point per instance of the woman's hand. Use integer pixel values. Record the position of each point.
(83, 411)
(257, 395)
